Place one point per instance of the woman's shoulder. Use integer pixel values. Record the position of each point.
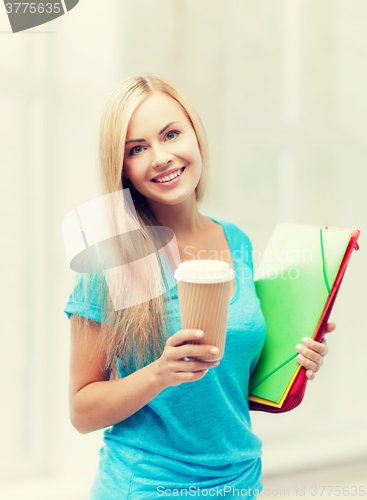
(233, 230)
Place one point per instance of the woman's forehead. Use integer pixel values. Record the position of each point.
(156, 110)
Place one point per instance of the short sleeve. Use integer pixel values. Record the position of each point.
(90, 306)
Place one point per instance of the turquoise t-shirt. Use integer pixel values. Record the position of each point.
(195, 436)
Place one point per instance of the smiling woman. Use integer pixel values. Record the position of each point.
(175, 422)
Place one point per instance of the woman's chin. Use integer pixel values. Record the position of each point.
(172, 198)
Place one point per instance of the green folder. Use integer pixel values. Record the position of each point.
(293, 282)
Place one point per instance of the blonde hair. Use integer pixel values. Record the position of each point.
(135, 334)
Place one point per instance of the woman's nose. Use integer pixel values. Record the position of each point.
(160, 156)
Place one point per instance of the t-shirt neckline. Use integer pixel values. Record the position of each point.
(229, 240)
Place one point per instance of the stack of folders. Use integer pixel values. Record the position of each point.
(297, 282)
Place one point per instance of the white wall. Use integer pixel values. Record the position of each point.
(281, 89)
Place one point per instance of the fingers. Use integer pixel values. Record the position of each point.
(182, 335)
(311, 355)
(183, 377)
(186, 344)
(309, 364)
(194, 351)
(195, 366)
(178, 364)
(317, 347)
(330, 327)
(326, 349)
(190, 371)
(310, 375)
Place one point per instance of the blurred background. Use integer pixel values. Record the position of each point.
(281, 87)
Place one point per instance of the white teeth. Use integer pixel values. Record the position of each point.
(169, 177)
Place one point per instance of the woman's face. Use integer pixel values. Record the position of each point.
(160, 140)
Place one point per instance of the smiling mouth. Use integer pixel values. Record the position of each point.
(178, 173)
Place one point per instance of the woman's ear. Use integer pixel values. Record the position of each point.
(124, 174)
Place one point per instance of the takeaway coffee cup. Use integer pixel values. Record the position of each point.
(204, 289)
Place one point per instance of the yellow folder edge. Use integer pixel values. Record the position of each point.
(263, 401)
(256, 399)
(285, 394)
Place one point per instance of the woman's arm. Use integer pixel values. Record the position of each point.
(97, 403)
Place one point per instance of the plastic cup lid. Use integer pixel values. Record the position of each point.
(204, 271)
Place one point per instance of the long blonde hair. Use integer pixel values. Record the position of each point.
(134, 334)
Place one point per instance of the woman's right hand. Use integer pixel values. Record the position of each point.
(173, 366)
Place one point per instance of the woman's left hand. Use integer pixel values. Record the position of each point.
(311, 353)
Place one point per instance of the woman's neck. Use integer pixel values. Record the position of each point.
(184, 218)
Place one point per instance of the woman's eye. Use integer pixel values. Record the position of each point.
(135, 150)
(172, 135)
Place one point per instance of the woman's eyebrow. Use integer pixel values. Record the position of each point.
(161, 132)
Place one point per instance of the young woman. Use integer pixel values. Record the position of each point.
(174, 426)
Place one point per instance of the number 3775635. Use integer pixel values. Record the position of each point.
(33, 8)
